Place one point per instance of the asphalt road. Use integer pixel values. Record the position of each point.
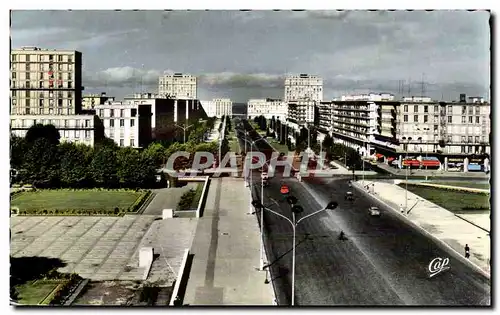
(383, 262)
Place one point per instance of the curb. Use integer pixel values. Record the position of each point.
(448, 187)
(180, 275)
(470, 222)
(445, 245)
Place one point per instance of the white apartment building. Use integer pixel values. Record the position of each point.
(90, 100)
(303, 87)
(218, 107)
(125, 123)
(72, 128)
(268, 108)
(45, 82)
(445, 127)
(300, 114)
(368, 97)
(177, 85)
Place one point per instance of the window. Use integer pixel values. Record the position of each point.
(101, 112)
(426, 118)
(470, 119)
(471, 110)
(132, 122)
(415, 118)
(122, 122)
(405, 117)
(27, 76)
(28, 84)
(464, 110)
(59, 111)
(122, 142)
(476, 139)
(27, 102)
(406, 108)
(111, 113)
(133, 112)
(111, 122)
(60, 58)
(77, 133)
(450, 109)
(41, 103)
(463, 139)
(40, 85)
(449, 119)
(464, 119)
(463, 149)
(477, 119)
(66, 133)
(13, 75)
(436, 108)
(65, 123)
(469, 149)
(69, 85)
(132, 142)
(122, 112)
(87, 134)
(87, 123)
(426, 109)
(59, 102)
(436, 127)
(14, 57)
(27, 110)
(469, 139)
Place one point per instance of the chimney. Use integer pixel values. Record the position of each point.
(462, 98)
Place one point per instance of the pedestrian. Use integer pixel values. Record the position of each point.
(467, 251)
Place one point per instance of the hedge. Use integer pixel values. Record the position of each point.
(190, 199)
(70, 212)
(139, 202)
(63, 291)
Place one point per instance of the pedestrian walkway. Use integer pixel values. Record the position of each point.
(431, 173)
(226, 250)
(435, 220)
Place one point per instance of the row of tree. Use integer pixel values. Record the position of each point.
(41, 160)
(261, 122)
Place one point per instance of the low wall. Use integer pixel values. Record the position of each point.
(181, 281)
(201, 202)
(467, 189)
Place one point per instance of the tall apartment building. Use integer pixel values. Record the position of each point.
(303, 87)
(127, 124)
(177, 85)
(301, 113)
(268, 108)
(45, 82)
(90, 100)
(218, 107)
(72, 128)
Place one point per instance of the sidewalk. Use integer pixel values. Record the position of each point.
(226, 251)
(436, 221)
(432, 173)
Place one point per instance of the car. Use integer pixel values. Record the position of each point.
(349, 196)
(374, 211)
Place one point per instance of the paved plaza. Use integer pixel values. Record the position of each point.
(97, 248)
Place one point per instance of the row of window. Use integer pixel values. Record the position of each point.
(43, 111)
(465, 119)
(41, 57)
(122, 122)
(44, 94)
(122, 141)
(61, 123)
(449, 109)
(86, 133)
(51, 84)
(120, 112)
(31, 67)
(43, 102)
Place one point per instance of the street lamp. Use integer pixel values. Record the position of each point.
(184, 128)
(407, 142)
(296, 210)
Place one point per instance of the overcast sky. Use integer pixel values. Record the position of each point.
(245, 55)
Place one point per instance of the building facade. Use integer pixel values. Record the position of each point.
(303, 87)
(268, 108)
(45, 82)
(301, 114)
(218, 107)
(90, 100)
(177, 85)
(129, 125)
(72, 128)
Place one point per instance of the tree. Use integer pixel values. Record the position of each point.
(48, 132)
(327, 142)
(74, 164)
(18, 149)
(41, 163)
(156, 152)
(103, 167)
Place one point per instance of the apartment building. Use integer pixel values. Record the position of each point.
(72, 128)
(368, 97)
(125, 123)
(177, 85)
(300, 114)
(45, 82)
(218, 107)
(303, 87)
(90, 100)
(268, 108)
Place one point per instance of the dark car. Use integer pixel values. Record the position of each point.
(349, 196)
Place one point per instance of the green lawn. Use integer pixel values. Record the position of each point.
(479, 185)
(280, 147)
(63, 200)
(233, 143)
(455, 201)
(33, 293)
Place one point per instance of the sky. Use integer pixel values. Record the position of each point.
(246, 54)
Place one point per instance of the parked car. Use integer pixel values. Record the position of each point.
(374, 211)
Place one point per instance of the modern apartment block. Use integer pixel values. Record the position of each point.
(177, 85)
(268, 108)
(125, 123)
(45, 82)
(72, 128)
(301, 114)
(218, 107)
(90, 100)
(303, 87)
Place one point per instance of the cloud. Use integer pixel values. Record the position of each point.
(121, 77)
(328, 14)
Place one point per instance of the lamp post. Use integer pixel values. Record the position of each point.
(184, 128)
(407, 142)
(296, 209)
